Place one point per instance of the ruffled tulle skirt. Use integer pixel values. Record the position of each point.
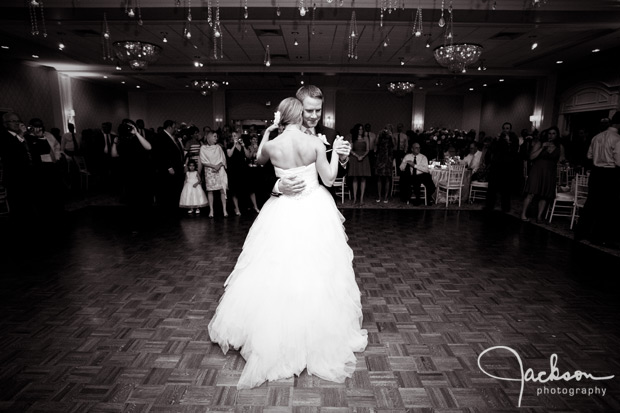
(292, 301)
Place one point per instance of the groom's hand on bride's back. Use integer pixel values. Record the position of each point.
(291, 185)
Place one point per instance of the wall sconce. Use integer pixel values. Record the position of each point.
(535, 119)
(329, 121)
(218, 121)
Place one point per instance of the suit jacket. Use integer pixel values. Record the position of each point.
(17, 160)
(97, 146)
(330, 134)
(167, 154)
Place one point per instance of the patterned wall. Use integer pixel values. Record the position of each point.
(189, 107)
(512, 103)
(95, 103)
(27, 91)
(443, 111)
(377, 108)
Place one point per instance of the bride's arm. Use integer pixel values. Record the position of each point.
(261, 154)
(327, 170)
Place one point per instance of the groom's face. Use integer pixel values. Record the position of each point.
(312, 111)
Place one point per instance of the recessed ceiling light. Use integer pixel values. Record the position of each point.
(137, 86)
(35, 56)
(596, 50)
(484, 85)
(501, 80)
(5, 47)
(471, 88)
(559, 62)
(123, 82)
(105, 77)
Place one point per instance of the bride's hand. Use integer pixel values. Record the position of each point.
(342, 147)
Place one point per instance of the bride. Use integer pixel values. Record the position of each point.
(291, 302)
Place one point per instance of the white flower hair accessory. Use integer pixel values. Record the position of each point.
(323, 139)
(276, 118)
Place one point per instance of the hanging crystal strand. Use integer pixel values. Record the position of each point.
(278, 12)
(34, 29)
(126, 6)
(442, 21)
(313, 17)
(129, 12)
(209, 14)
(139, 9)
(353, 36)
(245, 10)
(449, 36)
(105, 39)
(42, 19)
(494, 5)
(302, 8)
(187, 31)
(417, 24)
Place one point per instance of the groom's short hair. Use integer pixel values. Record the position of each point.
(309, 91)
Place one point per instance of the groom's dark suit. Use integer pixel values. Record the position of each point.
(330, 135)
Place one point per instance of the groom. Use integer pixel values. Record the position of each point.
(311, 98)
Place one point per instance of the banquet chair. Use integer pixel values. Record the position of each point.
(563, 204)
(395, 179)
(581, 195)
(453, 182)
(83, 170)
(477, 190)
(341, 188)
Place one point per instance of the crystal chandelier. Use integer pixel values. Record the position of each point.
(205, 87)
(458, 56)
(400, 88)
(138, 54)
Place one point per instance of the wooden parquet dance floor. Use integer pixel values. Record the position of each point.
(99, 318)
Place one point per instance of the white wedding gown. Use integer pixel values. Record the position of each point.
(291, 301)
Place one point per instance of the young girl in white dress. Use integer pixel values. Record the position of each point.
(193, 196)
(292, 302)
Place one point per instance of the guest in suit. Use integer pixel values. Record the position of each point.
(415, 172)
(311, 98)
(17, 164)
(49, 164)
(169, 163)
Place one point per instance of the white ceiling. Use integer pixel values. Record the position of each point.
(565, 30)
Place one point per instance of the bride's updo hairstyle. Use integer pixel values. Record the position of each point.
(291, 111)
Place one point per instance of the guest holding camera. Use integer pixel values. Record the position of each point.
(137, 172)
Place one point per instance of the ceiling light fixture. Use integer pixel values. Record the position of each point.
(205, 86)
(559, 62)
(481, 66)
(61, 46)
(400, 88)
(596, 50)
(138, 54)
(458, 56)
(34, 27)
(164, 36)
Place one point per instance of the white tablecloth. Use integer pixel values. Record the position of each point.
(441, 175)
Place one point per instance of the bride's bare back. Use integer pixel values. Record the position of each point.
(293, 148)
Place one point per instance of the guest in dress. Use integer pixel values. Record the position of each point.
(359, 165)
(541, 181)
(193, 142)
(384, 163)
(192, 197)
(237, 169)
(213, 162)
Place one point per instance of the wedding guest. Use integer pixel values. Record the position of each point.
(599, 220)
(472, 159)
(542, 178)
(415, 172)
(359, 165)
(18, 166)
(384, 164)
(213, 162)
(169, 157)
